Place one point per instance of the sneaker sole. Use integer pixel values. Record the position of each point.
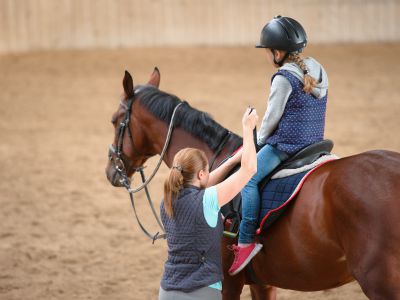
(253, 253)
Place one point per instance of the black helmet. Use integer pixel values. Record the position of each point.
(283, 33)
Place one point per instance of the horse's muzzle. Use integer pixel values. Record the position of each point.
(113, 175)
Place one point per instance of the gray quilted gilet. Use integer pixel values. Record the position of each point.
(194, 248)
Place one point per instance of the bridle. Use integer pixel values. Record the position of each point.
(116, 156)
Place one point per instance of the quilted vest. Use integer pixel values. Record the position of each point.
(194, 259)
(303, 120)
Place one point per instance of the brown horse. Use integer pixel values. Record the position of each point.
(343, 226)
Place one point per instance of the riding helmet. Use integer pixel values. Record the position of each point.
(283, 33)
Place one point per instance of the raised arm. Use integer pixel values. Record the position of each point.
(230, 187)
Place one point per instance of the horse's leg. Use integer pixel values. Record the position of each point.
(232, 287)
(263, 292)
(378, 271)
(381, 282)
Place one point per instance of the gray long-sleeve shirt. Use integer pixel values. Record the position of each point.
(281, 90)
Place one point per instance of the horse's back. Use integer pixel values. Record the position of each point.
(369, 179)
(372, 162)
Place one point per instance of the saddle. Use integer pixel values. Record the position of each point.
(232, 211)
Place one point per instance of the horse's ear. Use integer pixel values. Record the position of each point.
(128, 85)
(155, 78)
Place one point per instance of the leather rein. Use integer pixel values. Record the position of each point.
(116, 155)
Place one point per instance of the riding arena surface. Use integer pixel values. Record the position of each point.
(65, 232)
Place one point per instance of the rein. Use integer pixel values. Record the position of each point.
(219, 149)
(120, 167)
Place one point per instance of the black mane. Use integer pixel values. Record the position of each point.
(199, 124)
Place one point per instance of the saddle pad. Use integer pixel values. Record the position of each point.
(288, 172)
(277, 194)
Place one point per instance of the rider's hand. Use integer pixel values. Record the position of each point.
(249, 120)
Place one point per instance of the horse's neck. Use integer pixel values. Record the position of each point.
(181, 139)
(155, 132)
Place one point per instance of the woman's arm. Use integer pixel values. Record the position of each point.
(219, 173)
(230, 187)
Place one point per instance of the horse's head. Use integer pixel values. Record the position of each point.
(128, 152)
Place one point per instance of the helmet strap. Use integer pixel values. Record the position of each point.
(280, 63)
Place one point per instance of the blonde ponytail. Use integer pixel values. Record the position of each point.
(172, 185)
(187, 163)
(309, 82)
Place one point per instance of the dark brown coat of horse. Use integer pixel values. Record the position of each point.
(344, 225)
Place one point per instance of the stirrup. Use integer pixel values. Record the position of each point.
(230, 234)
(233, 231)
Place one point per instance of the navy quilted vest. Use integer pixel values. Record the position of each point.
(303, 120)
(194, 259)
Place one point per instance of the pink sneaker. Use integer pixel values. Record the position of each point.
(243, 257)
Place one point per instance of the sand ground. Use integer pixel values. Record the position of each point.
(65, 232)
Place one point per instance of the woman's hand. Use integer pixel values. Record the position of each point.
(250, 118)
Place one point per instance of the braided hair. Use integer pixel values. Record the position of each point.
(309, 81)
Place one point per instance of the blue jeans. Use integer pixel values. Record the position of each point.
(268, 158)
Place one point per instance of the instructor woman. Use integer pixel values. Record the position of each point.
(191, 216)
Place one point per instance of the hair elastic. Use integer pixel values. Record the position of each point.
(178, 167)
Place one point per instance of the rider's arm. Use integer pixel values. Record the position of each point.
(230, 187)
(219, 173)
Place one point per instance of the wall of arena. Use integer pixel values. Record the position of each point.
(27, 25)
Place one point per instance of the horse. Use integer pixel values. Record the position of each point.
(343, 226)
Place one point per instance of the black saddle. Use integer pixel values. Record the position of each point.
(302, 158)
(232, 211)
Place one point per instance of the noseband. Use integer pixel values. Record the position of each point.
(116, 156)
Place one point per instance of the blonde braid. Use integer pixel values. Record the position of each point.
(309, 82)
